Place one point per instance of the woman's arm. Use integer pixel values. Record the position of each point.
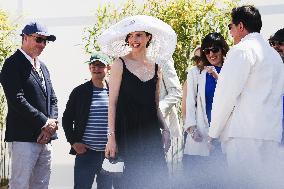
(190, 124)
(114, 86)
(165, 130)
(211, 70)
(160, 115)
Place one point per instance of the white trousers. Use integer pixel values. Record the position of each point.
(30, 165)
(254, 163)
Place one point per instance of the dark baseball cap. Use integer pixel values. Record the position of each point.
(98, 56)
(38, 28)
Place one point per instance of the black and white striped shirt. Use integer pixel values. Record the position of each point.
(95, 135)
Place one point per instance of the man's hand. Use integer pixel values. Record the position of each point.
(51, 127)
(80, 148)
(43, 137)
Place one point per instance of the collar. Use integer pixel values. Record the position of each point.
(35, 62)
(251, 36)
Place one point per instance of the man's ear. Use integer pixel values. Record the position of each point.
(108, 67)
(241, 26)
(89, 66)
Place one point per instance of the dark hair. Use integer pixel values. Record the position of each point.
(278, 36)
(197, 60)
(213, 40)
(249, 16)
(147, 34)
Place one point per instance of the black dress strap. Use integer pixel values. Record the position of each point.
(156, 70)
(124, 66)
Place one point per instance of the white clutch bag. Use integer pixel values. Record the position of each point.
(113, 167)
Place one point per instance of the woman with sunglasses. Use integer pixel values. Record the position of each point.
(197, 63)
(199, 158)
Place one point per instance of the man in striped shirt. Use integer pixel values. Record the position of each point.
(85, 123)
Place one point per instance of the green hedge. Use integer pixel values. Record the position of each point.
(7, 29)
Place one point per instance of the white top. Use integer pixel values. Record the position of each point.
(196, 112)
(170, 95)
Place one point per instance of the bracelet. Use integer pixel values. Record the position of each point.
(110, 133)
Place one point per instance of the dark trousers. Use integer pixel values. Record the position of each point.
(87, 166)
(282, 140)
(205, 172)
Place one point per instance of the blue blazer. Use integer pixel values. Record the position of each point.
(29, 105)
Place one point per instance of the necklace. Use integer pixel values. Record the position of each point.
(144, 72)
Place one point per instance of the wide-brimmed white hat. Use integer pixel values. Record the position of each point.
(163, 43)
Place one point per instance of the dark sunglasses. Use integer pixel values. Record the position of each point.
(40, 39)
(196, 58)
(230, 26)
(275, 43)
(212, 49)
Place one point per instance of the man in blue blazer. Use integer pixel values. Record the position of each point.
(32, 110)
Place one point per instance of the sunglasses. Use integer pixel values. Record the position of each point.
(196, 58)
(275, 43)
(212, 49)
(230, 26)
(39, 39)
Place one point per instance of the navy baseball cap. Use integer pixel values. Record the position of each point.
(36, 27)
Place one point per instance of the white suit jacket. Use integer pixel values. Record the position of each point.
(170, 95)
(248, 97)
(196, 112)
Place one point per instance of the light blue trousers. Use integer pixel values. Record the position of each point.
(30, 165)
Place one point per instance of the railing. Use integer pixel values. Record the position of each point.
(4, 153)
(4, 160)
(175, 154)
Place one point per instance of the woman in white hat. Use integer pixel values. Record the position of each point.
(134, 118)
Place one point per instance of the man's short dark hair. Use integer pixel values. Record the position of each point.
(249, 16)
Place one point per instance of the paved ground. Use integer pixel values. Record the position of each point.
(62, 164)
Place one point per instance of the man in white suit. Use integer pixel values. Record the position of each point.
(247, 107)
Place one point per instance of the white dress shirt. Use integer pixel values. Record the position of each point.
(36, 66)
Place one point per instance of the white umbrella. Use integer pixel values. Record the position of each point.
(163, 43)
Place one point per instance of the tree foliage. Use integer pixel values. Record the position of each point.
(6, 34)
(191, 20)
(6, 48)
